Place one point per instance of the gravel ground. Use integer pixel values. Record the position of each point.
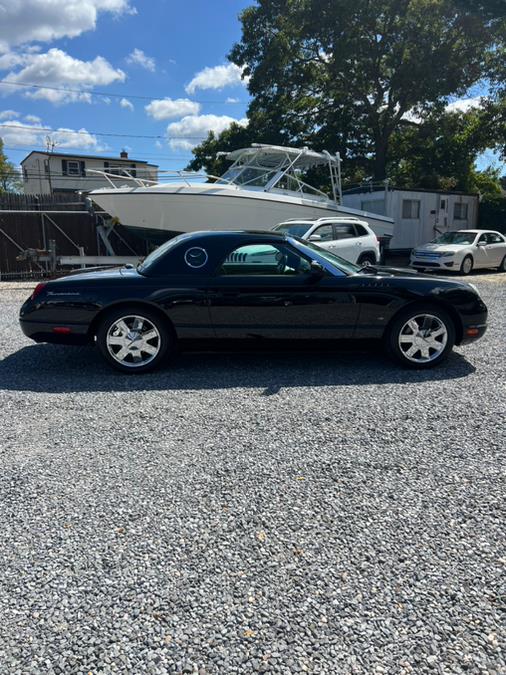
(276, 513)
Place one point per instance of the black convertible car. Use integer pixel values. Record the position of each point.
(251, 285)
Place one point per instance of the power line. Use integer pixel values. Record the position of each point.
(99, 133)
(26, 85)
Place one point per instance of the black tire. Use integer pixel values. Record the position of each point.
(464, 265)
(164, 341)
(367, 259)
(502, 266)
(394, 331)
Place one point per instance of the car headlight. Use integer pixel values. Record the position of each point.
(448, 254)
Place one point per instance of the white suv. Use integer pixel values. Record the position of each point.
(349, 238)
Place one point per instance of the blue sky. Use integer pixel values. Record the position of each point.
(147, 48)
(153, 68)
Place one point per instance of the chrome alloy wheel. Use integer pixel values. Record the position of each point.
(423, 338)
(467, 265)
(133, 341)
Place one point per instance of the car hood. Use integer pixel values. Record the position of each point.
(442, 248)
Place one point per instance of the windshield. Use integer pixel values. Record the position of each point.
(295, 229)
(455, 238)
(159, 252)
(334, 260)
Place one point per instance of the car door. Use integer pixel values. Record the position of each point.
(269, 291)
(497, 247)
(488, 251)
(345, 242)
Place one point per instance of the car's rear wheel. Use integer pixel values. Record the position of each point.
(467, 265)
(421, 337)
(134, 340)
(502, 266)
(366, 259)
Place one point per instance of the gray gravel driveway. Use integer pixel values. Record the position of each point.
(242, 513)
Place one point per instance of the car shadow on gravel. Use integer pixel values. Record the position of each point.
(59, 369)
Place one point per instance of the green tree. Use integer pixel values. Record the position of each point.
(10, 178)
(344, 75)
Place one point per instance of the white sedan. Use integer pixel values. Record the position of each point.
(462, 251)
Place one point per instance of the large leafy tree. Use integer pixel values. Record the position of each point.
(348, 76)
(10, 179)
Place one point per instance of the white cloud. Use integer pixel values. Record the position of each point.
(216, 78)
(139, 58)
(464, 104)
(56, 68)
(18, 133)
(167, 108)
(230, 99)
(125, 103)
(8, 114)
(193, 129)
(23, 21)
(33, 119)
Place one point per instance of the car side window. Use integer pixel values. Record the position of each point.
(326, 232)
(483, 239)
(495, 239)
(264, 260)
(344, 231)
(361, 231)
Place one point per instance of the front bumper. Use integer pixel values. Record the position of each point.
(422, 263)
(472, 333)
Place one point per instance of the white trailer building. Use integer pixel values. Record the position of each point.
(56, 172)
(419, 215)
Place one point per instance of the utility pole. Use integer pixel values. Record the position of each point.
(50, 145)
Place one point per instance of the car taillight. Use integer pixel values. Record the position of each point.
(38, 289)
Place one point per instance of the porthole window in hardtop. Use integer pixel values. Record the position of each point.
(196, 257)
(264, 259)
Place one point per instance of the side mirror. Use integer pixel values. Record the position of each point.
(315, 237)
(481, 243)
(317, 270)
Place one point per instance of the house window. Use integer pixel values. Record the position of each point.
(411, 209)
(460, 211)
(73, 168)
(25, 172)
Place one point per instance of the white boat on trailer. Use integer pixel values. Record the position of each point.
(264, 186)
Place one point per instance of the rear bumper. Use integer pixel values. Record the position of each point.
(62, 333)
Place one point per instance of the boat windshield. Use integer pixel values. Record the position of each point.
(295, 229)
(455, 238)
(248, 176)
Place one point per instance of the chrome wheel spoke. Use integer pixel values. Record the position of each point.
(412, 350)
(413, 325)
(406, 339)
(122, 353)
(150, 334)
(148, 349)
(117, 340)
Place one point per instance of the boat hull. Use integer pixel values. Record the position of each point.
(159, 214)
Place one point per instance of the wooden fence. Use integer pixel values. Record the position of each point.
(31, 221)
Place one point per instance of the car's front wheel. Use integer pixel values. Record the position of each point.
(421, 337)
(134, 340)
(467, 265)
